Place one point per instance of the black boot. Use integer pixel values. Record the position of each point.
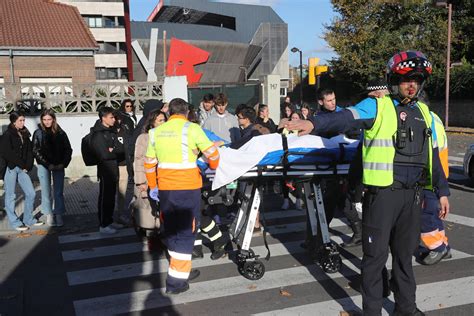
(197, 253)
(356, 239)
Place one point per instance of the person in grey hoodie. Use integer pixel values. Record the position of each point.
(206, 108)
(221, 122)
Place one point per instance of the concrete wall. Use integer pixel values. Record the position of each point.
(76, 126)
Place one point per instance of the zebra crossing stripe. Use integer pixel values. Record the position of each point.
(454, 292)
(130, 231)
(128, 248)
(94, 236)
(456, 159)
(462, 220)
(155, 298)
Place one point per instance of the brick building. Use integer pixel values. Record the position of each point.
(43, 41)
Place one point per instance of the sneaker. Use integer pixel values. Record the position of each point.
(51, 220)
(38, 223)
(59, 220)
(433, 257)
(298, 204)
(116, 225)
(22, 228)
(286, 204)
(107, 230)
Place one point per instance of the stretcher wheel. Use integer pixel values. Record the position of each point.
(252, 270)
(330, 259)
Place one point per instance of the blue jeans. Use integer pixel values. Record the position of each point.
(44, 176)
(10, 180)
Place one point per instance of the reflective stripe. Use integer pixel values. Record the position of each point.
(151, 160)
(180, 256)
(184, 143)
(378, 142)
(150, 170)
(178, 275)
(177, 165)
(151, 134)
(378, 166)
(355, 114)
(198, 242)
(216, 236)
(209, 227)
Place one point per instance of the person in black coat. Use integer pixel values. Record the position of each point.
(127, 114)
(17, 151)
(107, 149)
(52, 150)
(264, 118)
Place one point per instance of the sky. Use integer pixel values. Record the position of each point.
(305, 19)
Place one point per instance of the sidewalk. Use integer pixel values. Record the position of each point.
(80, 197)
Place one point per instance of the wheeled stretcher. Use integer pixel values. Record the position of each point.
(308, 167)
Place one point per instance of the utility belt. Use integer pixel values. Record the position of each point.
(396, 185)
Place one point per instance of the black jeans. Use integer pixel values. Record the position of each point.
(391, 218)
(106, 202)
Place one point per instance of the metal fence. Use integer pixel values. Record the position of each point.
(75, 98)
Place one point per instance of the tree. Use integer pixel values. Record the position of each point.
(367, 33)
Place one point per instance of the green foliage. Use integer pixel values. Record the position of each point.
(367, 33)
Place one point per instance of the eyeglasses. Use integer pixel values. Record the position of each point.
(129, 106)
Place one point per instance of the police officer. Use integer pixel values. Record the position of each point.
(172, 149)
(398, 159)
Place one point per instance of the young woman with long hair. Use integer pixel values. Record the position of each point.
(17, 151)
(52, 151)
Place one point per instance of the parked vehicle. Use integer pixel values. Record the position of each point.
(469, 162)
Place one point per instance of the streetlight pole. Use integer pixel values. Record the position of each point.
(294, 50)
(448, 64)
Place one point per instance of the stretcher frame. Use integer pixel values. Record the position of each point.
(250, 198)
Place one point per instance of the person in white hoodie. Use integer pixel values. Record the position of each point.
(221, 122)
(206, 108)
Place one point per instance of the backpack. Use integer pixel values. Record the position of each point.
(87, 150)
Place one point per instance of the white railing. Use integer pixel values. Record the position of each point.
(75, 98)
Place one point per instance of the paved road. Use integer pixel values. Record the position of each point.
(76, 271)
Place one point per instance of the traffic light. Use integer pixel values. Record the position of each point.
(312, 62)
(320, 69)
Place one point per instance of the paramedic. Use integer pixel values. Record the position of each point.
(172, 149)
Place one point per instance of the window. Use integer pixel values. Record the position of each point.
(93, 21)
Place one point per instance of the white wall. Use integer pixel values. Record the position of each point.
(108, 35)
(98, 8)
(111, 60)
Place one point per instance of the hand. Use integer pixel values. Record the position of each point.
(303, 127)
(444, 210)
(25, 171)
(110, 149)
(154, 194)
(142, 187)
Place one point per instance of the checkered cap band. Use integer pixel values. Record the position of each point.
(405, 64)
(375, 88)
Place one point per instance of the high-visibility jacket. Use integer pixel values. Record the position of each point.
(378, 149)
(441, 142)
(172, 153)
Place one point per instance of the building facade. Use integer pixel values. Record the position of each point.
(56, 47)
(243, 42)
(109, 23)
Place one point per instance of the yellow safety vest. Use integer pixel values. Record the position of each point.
(378, 149)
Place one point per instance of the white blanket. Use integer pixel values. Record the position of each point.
(234, 163)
